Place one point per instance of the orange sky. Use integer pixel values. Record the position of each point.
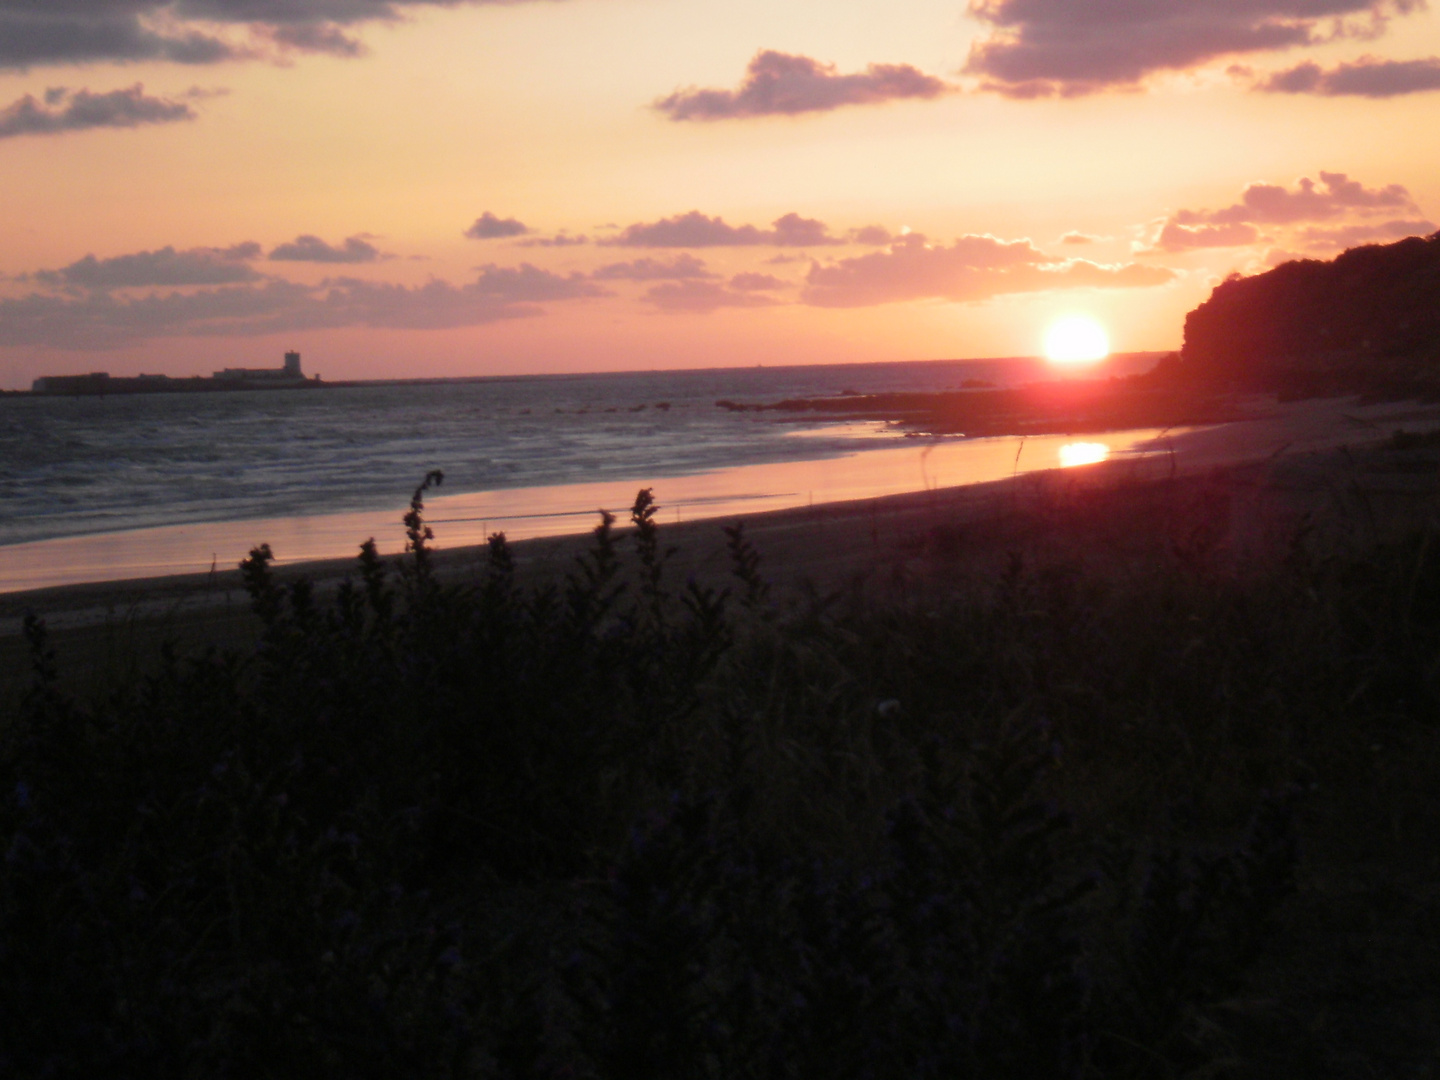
(771, 182)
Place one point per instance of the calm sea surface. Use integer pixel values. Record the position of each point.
(77, 467)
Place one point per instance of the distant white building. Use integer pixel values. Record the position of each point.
(289, 373)
(100, 382)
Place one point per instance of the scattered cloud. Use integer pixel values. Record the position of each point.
(530, 283)
(1302, 79)
(104, 320)
(435, 305)
(702, 296)
(969, 269)
(1080, 238)
(694, 229)
(1273, 204)
(752, 282)
(1044, 48)
(197, 266)
(681, 268)
(874, 235)
(1367, 77)
(1335, 197)
(489, 227)
(1319, 237)
(78, 32)
(61, 110)
(356, 249)
(782, 84)
(205, 93)
(1176, 237)
(560, 239)
(792, 230)
(189, 31)
(100, 320)
(687, 230)
(314, 37)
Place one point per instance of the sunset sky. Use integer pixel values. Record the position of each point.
(407, 188)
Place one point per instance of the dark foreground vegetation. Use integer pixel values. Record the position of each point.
(1172, 820)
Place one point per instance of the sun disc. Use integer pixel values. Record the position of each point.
(1075, 341)
(1082, 453)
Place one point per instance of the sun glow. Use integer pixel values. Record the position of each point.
(1082, 453)
(1076, 341)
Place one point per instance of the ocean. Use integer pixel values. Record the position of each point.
(172, 477)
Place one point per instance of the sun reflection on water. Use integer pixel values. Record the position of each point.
(895, 465)
(1082, 453)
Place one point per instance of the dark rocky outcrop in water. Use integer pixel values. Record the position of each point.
(1368, 321)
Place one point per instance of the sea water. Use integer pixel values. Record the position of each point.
(168, 477)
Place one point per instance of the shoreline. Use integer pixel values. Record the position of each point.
(1325, 430)
(878, 465)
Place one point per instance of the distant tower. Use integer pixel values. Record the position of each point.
(292, 365)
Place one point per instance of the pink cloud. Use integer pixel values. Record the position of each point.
(782, 84)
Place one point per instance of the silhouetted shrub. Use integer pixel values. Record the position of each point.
(607, 827)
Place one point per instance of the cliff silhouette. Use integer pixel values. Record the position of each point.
(1367, 321)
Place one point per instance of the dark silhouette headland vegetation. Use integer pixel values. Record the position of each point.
(1365, 322)
(1087, 791)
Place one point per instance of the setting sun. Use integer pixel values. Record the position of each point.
(1082, 453)
(1076, 340)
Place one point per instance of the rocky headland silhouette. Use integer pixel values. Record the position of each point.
(1367, 321)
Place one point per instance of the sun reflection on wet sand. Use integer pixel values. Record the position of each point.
(898, 466)
(1082, 453)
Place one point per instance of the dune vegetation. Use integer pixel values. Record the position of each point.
(1171, 819)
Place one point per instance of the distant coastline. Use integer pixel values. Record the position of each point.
(201, 384)
(288, 376)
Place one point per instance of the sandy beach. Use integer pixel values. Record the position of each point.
(1285, 454)
(1262, 475)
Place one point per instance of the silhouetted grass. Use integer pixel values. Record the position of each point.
(1050, 823)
